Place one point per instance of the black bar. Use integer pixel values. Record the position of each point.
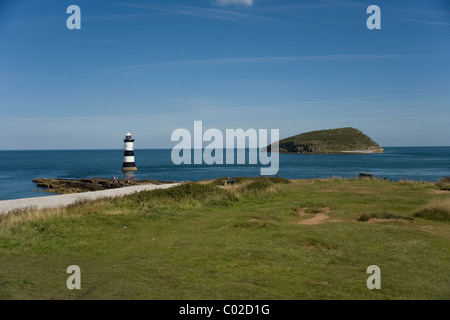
(128, 164)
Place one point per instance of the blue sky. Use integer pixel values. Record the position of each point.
(154, 66)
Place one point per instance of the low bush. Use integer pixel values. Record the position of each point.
(384, 215)
(364, 217)
(444, 183)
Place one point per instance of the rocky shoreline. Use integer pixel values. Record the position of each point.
(65, 186)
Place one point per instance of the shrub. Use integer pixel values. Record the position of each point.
(364, 217)
(314, 210)
(390, 215)
(444, 183)
(279, 180)
(263, 180)
(257, 185)
(384, 215)
(243, 180)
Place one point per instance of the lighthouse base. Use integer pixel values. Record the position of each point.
(129, 168)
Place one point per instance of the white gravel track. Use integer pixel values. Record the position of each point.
(55, 201)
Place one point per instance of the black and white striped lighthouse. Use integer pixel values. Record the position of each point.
(128, 157)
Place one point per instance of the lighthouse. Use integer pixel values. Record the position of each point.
(128, 157)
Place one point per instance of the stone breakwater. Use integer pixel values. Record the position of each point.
(64, 186)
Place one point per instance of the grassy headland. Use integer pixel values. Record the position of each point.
(340, 140)
(259, 238)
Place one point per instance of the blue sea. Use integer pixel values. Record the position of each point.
(19, 168)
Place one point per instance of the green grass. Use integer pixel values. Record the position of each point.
(246, 241)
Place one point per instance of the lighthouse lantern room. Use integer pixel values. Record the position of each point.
(128, 157)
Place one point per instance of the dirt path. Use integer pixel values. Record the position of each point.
(67, 199)
(317, 219)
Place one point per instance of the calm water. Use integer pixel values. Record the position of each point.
(18, 168)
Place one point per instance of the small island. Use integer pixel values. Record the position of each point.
(340, 140)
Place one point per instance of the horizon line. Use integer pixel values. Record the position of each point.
(170, 148)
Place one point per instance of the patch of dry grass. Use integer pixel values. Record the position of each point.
(20, 217)
(437, 209)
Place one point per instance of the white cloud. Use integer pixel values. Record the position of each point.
(225, 3)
